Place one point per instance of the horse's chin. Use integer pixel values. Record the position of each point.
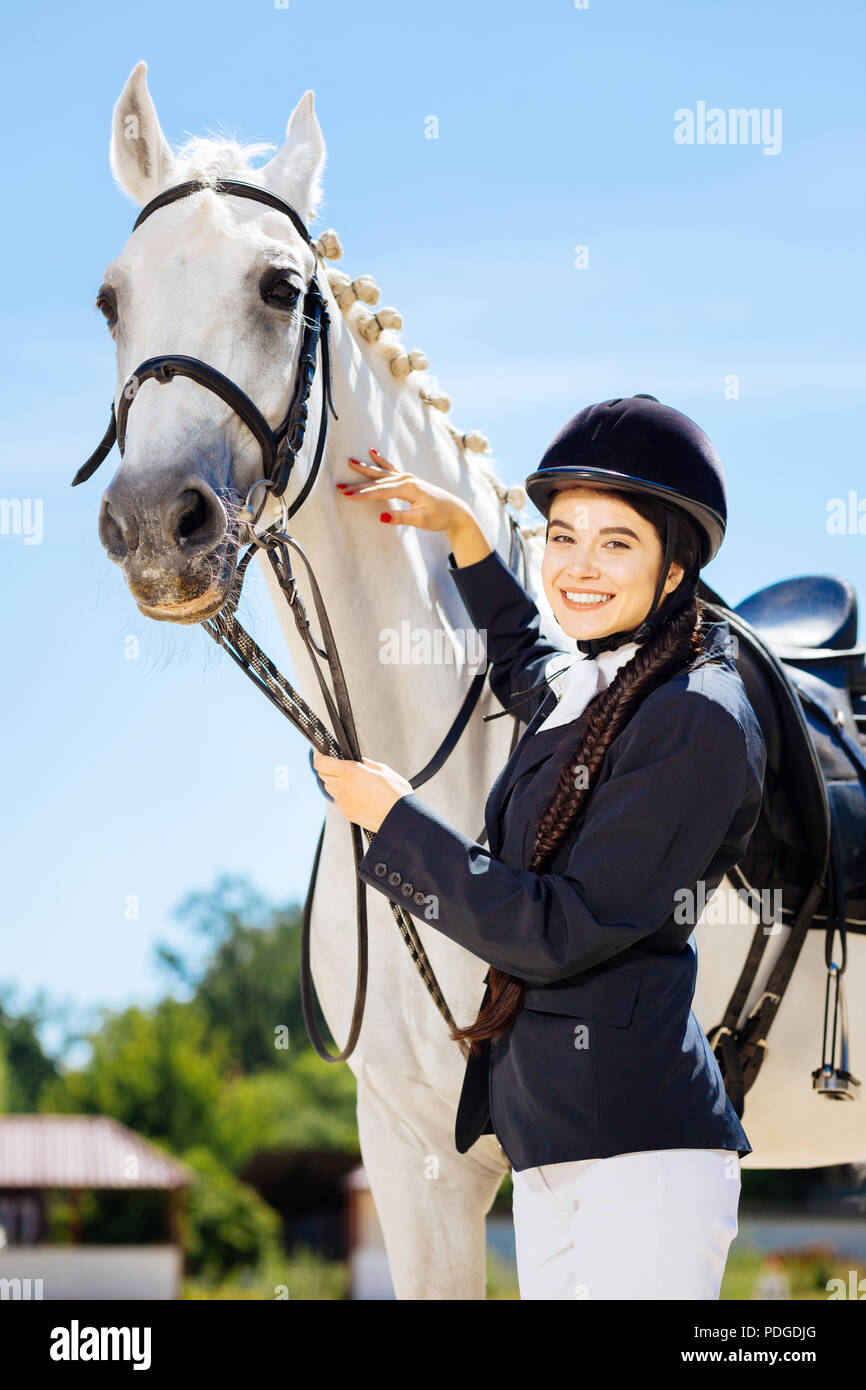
(190, 611)
(190, 597)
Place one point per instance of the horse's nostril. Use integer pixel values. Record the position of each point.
(180, 518)
(196, 519)
(111, 533)
(192, 519)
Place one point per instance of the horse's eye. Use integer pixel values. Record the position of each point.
(281, 292)
(107, 306)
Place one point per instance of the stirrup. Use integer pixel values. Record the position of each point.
(828, 1079)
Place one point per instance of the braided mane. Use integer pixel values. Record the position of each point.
(208, 159)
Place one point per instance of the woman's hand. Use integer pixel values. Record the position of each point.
(365, 791)
(431, 508)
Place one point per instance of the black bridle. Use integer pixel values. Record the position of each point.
(280, 447)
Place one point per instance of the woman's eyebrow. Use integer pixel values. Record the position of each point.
(603, 531)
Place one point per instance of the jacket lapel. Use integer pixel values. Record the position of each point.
(535, 748)
(532, 749)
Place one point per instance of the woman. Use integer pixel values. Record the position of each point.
(633, 791)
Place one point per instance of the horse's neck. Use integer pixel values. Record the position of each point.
(374, 581)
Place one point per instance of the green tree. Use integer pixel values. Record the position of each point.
(158, 1071)
(308, 1105)
(247, 977)
(27, 1067)
(227, 1222)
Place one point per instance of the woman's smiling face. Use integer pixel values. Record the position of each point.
(598, 544)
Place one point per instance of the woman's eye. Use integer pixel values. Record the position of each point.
(281, 292)
(563, 537)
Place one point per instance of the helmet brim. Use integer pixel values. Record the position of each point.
(542, 485)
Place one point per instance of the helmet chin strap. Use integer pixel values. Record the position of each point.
(654, 619)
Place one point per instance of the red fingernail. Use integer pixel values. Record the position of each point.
(358, 461)
(348, 491)
(376, 452)
(385, 516)
(342, 485)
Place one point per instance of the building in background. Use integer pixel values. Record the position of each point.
(74, 1154)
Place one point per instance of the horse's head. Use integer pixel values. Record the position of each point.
(220, 279)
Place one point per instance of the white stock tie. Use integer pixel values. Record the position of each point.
(579, 678)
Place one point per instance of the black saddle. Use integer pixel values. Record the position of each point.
(802, 615)
(796, 649)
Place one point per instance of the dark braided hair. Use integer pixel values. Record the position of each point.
(676, 645)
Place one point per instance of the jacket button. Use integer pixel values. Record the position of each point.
(407, 890)
(395, 878)
(380, 870)
(419, 898)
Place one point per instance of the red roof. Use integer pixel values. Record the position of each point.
(83, 1151)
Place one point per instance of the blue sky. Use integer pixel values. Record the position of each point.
(556, 129)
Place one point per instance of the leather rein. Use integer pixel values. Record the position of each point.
(279, 450)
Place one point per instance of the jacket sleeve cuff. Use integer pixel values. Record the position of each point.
(395, 861)
(476, 583)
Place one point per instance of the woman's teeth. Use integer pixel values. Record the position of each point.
(579, 600)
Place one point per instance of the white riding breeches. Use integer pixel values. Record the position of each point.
(648, 1225)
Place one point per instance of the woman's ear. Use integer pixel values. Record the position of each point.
(675, 574)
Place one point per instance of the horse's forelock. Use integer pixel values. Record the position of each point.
(210, 158)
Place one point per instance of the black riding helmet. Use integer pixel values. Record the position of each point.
(636, 444)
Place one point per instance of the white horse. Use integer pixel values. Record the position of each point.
(196, 278)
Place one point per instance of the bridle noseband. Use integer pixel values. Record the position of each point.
(280, 447)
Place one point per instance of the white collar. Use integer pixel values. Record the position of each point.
(579, 677)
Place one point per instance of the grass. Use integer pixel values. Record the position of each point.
(305, 1276)
(302, 1276)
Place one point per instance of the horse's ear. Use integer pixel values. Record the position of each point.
(141, 158)
(295, 172)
